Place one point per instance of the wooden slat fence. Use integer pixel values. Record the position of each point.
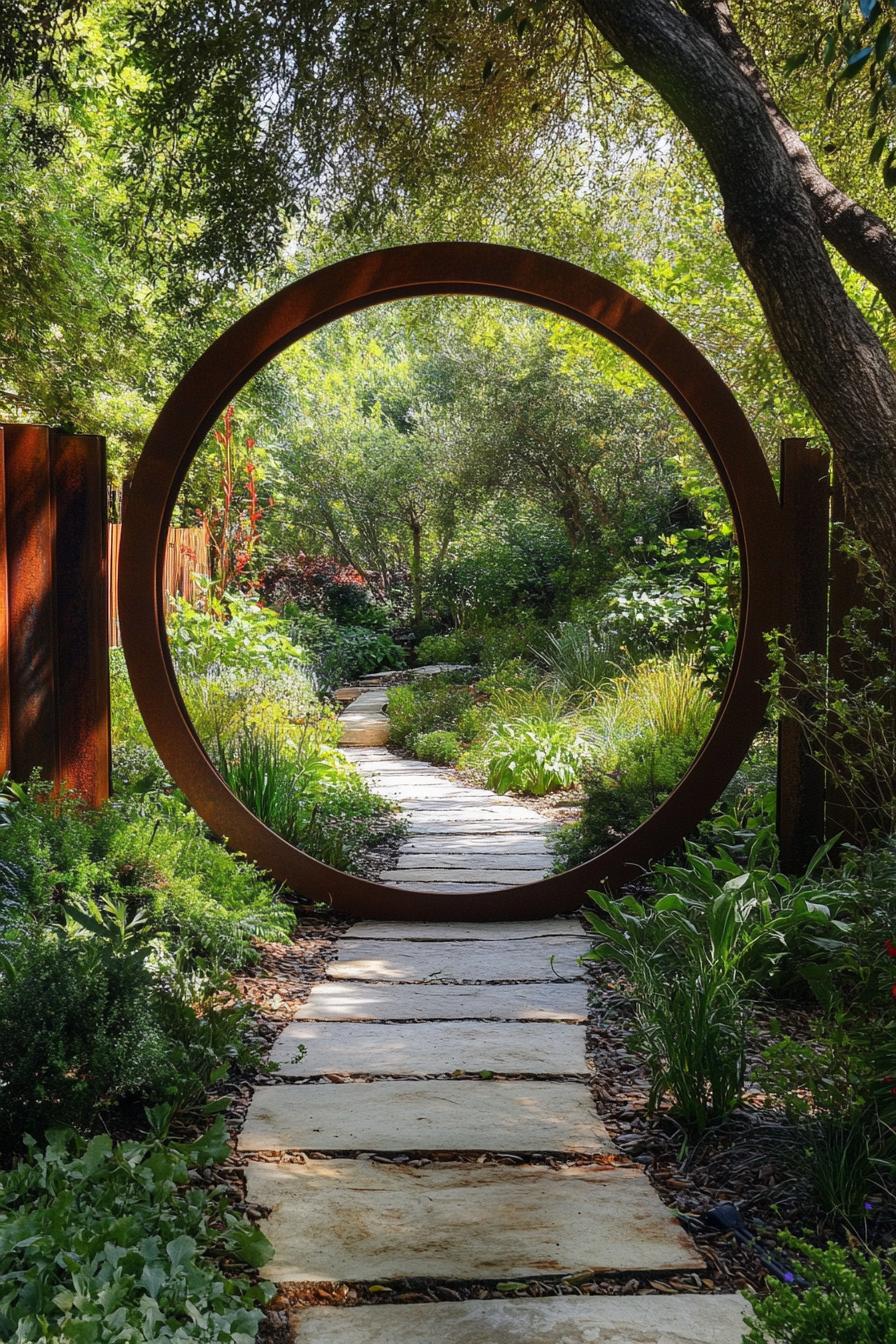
(185, 557)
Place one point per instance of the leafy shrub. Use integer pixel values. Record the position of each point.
(112, 1242)
(88, 1021)
(313, 798)
(341, 653)
(156, 859)
(689, 1010)
(235, 632)
(618, 799)
(458, 646)
(535, 755)
(520, 638)
(439, 747)
(425, 706)
(652, 723)
(848, 1301)
(848, 719)
(321, 584)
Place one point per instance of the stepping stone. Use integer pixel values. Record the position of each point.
(550, 1048)
(464, 960)
(519, 844)
(486, 860)
(453, 888)
(506, 877)
(409, 1003)
(498, 931)
(425, 1117)
(455, 822)
(363, 723)
(649, 1319)
(344, 1221)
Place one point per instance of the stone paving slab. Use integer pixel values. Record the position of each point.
(408, 1003)
(463, 960)
(453, 822)
(421, 1048)
(368, 1221)
(422, 1116)
(471, 873)
(654, 1319)
(471, 843)
(503, 861)
(458, 888)
(499, 930)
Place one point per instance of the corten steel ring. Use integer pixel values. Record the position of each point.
(401, 273)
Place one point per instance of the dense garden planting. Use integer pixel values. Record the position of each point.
(501, 521)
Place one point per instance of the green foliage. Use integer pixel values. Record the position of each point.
(439, 747)
(310, 796)
(834, 1090)
(341, 653)
(848, 719)
(849, 1300)
(91, 1017)
(689, 1009)
(652, 722)
(202, 901)
(457, 646)
(578, 660)
(232, 632)
(117, 1242)
(424, 707)
(535, 755)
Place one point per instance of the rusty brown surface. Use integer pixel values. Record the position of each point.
(32, 643)
(84, 753)
(805, 507)
(5, 751)
(401, 273)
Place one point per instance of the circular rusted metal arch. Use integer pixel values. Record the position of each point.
(348, 287)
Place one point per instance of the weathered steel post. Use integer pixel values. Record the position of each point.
(53, 594)
(805, 517)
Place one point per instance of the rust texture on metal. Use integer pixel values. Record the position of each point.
(805, 509)
(81, 601)
(54, 590)
(32, 643)
(402, 273)
(5, 747)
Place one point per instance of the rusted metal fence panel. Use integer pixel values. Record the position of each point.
(80, 590)
(54, 608)
(186, 559)
(805, 508)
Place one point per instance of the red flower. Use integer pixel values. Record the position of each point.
(890, 947)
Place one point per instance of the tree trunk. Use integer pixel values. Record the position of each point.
(829, 348)
(859, 235)
(417, 571)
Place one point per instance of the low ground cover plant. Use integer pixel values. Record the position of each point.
(117, 1242)
(849, 1298)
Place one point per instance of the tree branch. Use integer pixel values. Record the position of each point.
(830, 349)
(861, 237)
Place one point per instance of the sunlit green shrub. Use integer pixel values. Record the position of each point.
(308, 794)
(426, 706)
(535, 755)
(848, 1300)
(457, 646)
(439, 747)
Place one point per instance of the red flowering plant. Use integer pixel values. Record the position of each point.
(233, 522)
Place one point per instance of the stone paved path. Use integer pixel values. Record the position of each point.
(454, 1139)
(459, 838)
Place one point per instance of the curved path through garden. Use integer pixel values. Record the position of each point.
(432, 1130)
(460, 838)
